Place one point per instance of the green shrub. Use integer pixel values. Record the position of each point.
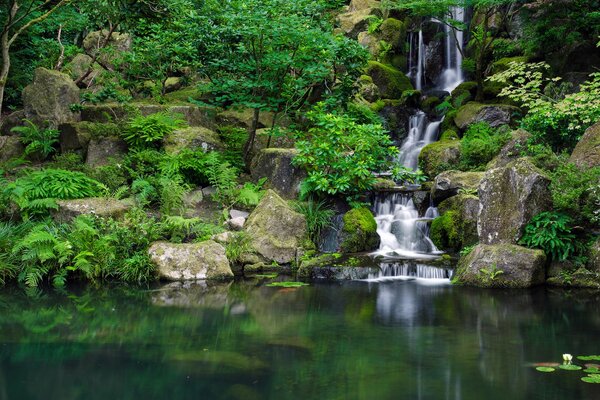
(239, 245)
(234, 138)
(143, 132)
(572, 191)
(479, 145)
(39, 142)
(551, 232)
(318, 217)
(68, 161)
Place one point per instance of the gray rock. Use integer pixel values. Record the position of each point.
(7, 122)
(233, 213)
(494, 114)
(511, 150)
(587, 152)
(465, 209)
(353, 22)
(74, 137)
(190, 261)
(593, 263)
(99, 206)
(102, 150)
(236, 224)
(276, 230)
(276, 165)
(449, 183)
(223, 237)
(510, 196)
(209, 190)
(521, 267)
(194, 138)
(193, 198)
(49, 97)
(10, 147)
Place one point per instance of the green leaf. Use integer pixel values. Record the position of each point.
(545, 369)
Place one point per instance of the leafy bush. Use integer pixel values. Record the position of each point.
(143, 132)
(551, 232)
(340, 155)
(318, 217)
(479, 145)
(239, 245)
(407, 175)
(39, 142)
(572, 191)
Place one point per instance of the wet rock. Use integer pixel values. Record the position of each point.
(334, 267)
(511, 150)
(10, 147)
(49, 98)
(390, 81)
(494, 114)
(359, 231)
(501, 266)
(450, 183)
(457, 225)
(587, 152)
(193, 138)
(276, 165)
(102, 150)
(99, 206)
(438, 157)
(277, 231)
(190, 261)
(510, 196)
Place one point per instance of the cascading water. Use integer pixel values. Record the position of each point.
(405, 235)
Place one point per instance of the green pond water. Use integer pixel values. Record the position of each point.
(244, 340)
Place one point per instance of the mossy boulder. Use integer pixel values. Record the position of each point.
(10, 147)
(469, 87)
(194, 138)
(457, 225)
(101, 151)
(277, 231)
(356, 5)
(390, 81)
(440, 156)
(510, 196)
(512, 149)
(9, 121)
(74, 137)
(49, 98)
(587, 152)
(430, 103)
(242, 118)
(359, 232)
(276, 165)
(450, 183)
(353, 22)
(493, 114)
(190, 261)
(504, 63)
(449, 134)
(593, 263)
(393, 31)
(367, 89)
(98, 206)
(501, 266)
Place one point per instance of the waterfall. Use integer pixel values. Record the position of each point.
(420, 133)
(406, 270)
(416, 52)
(452, 76)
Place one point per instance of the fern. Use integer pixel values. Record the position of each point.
(143, 132)
(38, 141)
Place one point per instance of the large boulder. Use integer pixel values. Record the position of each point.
(494, 114)
(194, 138)
(190, 261)
(359, 232)
(243, 117)
(10, 147)
(9, 121)
(49, 98)
(356, 5)
(276, 165)
(99, 206)
(277, 231)
(593, 263)
(79, 66)
(512, 149)
(104, 149)
(438, 157)
(118, 43)
(587, 152)
(449, 183)
(353, 22)
(457, 225)
(74, 137)
(510, 196)
(390, 81)
(501, 266)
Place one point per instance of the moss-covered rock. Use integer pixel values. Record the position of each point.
(587, 152)
(194, 138)
(503, 64)
(367, 89)
(75, 137)
(450, 183)
(243, 117)
(493, 114)
(353, 22)
(440, 156)
(501, 266)
(99, 206)
(338, 267)
(359, 232)
(512, 149)
(277, 231)
(593, 263)
(79, 65)
(430, 103)
(393, 31)
(390, 81)
(48, 99)
(510, 196)
(449, 134)
(10, 147)
(276, 165)
(469, 86)
(104, 149)
(457, 226)
(444, 231)
(190, 261)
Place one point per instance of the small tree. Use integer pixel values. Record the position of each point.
(16, 17)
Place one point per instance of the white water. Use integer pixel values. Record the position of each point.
(452, 76)
(420, 133)
(416, 53)
(411, 271)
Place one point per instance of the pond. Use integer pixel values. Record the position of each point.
(243, 340)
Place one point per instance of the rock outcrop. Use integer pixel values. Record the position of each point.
(102, 150)
(439, 156)
(587, 152)
(10, 147)
(276, 230)
(390, 81)
(49, 98)
(190, 261)
(276, 165)
(359, 232)
(512, 149)
(194, 138)
(118, 43)
(501, 266)
(99, 206)
(449, 183)
(457, 225)
(493, 114)
(510, 196)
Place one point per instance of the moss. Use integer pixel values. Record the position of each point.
(390, 81)
(503, 63)
(430, 103)
(377, 106)
(393, 31)
(360, 231)
(444, 231)
(438, 157)
(491, 90)
(449, 134)
(468, 86)
(448, 122)
(382, 184)
(182, 96)
(399, 61)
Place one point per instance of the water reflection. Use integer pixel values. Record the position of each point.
(242, 340)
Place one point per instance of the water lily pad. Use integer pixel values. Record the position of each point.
(593, 378)
(592, 371)
(569, 367)
(545, 369)
(287, 284)
(589, 358)
(546, 364)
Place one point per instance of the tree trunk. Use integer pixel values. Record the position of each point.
(252, 135)
(5, 67)
(479, 78)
